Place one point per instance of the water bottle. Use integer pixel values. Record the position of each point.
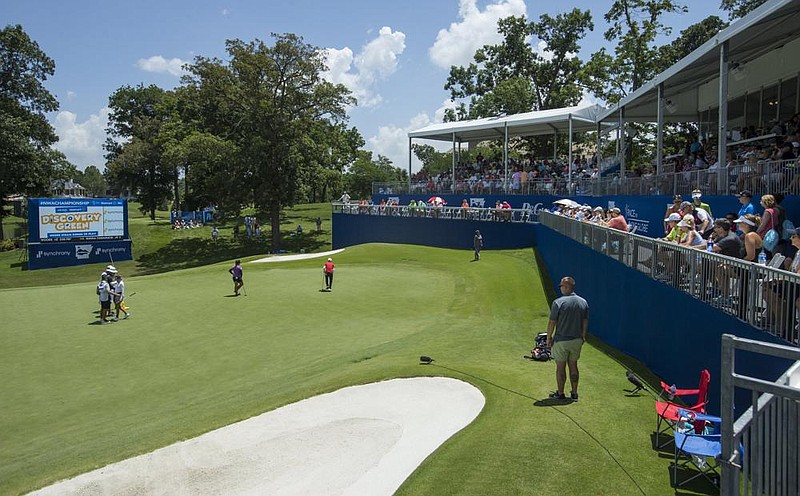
(710, 245)
(762, 258)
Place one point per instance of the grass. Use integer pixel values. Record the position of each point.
(78, 396)
(157, 248)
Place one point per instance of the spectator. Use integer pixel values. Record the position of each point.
(701, 221)
(697, 196)
(770, 218)
(672, 208)
(782, 297)
(345, 198)
(214, 234)
(617, 221)
(726, 242)
(689, 236)
(751, 240)
(674, 233)
(318, 221)
(746, 199)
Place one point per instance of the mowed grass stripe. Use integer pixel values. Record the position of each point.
(191, 359)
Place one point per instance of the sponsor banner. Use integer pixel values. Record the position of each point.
(66, 219)
(52, 254)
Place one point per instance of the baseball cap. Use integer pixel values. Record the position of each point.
(111, 269)
(745, 193)
(598, 209)
(615, 210)
(697, 193)
(677, 198)
(792, 232)
(743, 220)
(330, 260)
(683, 224)
(673, 217)
(686, 205)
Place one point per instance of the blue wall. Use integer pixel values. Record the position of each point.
(674, 334)
(351, 230)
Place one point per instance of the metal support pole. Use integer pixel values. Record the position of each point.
(722, 136)
(730, 475)
(569, 156)
(453, 176)
(505, 157)
(660, 130)
(409, 166)
(555, 145)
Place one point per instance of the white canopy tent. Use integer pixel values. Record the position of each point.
(757, 50)
(555, 121)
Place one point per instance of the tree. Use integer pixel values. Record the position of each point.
(634, 26)
(28, 163)
(93, 181)
(270, 101)
(134, 151)
(511, 77)
(737, 9)
(690, 40)
(365, 171)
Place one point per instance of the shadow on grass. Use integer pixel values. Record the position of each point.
(184, 253)
(700, 485)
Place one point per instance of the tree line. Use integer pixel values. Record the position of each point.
(263, 128)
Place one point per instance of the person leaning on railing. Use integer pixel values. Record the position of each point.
(782, 297)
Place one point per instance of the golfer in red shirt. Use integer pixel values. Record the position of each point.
(328, 269)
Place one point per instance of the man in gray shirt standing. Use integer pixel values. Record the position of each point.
(566, 333)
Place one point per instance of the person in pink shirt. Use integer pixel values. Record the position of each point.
(617, 221)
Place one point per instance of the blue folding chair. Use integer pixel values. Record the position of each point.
(700, 450)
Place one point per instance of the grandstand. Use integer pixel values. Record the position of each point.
(743, 89)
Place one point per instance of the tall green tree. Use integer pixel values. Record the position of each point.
(134, 149)
(739, 8)
(271, 101)
(513, 77)
(633, 26)
(366, 170)
(28, 163)
(92, 179)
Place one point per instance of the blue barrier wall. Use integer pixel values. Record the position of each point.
(645, 212)
(674, 334)
(351, 230)
(49, 255)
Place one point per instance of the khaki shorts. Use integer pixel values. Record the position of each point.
(567, 351)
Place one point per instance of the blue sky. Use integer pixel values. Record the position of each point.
(394, 56)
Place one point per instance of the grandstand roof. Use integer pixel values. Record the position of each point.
(526, 124)
(767, 28)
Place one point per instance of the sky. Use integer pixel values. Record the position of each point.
(394, 56)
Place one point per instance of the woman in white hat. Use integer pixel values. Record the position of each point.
(748, 224)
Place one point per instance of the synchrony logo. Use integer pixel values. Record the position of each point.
(82, 252)
(45, 254)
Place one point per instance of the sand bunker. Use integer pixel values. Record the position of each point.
(301, 256)
(360, 440)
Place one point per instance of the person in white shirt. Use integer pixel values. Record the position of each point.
(104, 292)
(119, 296)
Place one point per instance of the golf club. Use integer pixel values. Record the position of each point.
(131, 294)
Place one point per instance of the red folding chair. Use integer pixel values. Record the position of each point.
(667, 415)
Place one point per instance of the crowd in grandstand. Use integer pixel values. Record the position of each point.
(757, 159)
(761, 235)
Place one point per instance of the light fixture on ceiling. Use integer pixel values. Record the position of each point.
(670, 106)
(738, 71)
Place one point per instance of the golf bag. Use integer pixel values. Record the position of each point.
(540, 351)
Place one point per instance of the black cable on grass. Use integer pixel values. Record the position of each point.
(554, 408)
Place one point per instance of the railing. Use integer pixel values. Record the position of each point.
(439, 212)
(763, 296)
(761, 450)
(761, 177)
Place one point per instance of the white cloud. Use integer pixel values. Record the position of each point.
(159, 64)
(392, 141)
(82, 142)
(456, 45)
(361, 73)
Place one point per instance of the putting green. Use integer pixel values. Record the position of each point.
(77, 396)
